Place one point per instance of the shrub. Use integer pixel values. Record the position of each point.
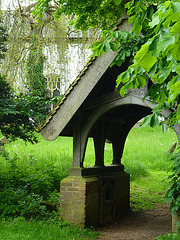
(31, 191)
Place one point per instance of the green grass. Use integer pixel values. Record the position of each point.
(147, 192)
(19, 229)
(149, 146)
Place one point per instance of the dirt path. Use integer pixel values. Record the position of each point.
(140, 225)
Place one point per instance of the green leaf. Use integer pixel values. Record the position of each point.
(148, 61)
(122, 91)
(146, 121)
(162, 97)
(173, 51)
(107, 47)
(117, 2)
(165, 40)
(155, 20)
(153, 45)
(163, 74)
(178, 70)
(175, 30)
(154, 120)
(176, 7)
(137, 27)
(142, 52)
(142, 81)
(174, 91)
(153, 70)
(131, 19)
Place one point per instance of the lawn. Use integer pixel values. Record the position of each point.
(30, 176)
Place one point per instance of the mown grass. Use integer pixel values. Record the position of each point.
(145, 158)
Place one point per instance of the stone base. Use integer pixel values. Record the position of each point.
(80, 200)
(95, 200)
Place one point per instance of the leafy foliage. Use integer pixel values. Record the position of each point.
(31, 191)
(173, 193)
(87, 13)
(20, 115)
(157, 57)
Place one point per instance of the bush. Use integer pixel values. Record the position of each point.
(31, 191)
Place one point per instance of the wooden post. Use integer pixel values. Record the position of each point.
(99, 141)
(77, 150)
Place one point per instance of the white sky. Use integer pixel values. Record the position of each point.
(13, 4)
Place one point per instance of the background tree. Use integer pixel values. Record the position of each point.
(18, 112)
(54, 38)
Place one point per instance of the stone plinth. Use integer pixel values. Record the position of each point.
(79, 200)
(95, 200)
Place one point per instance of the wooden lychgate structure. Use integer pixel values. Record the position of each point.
(93, 108)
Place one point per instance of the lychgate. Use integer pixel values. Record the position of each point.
(93, 108)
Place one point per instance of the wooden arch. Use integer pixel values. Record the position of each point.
(111, 121)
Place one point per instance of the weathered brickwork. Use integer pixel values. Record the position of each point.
(79, 200)
(94, 201)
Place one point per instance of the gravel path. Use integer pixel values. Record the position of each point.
(140, 225)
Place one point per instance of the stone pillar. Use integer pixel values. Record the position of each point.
(79, 201)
